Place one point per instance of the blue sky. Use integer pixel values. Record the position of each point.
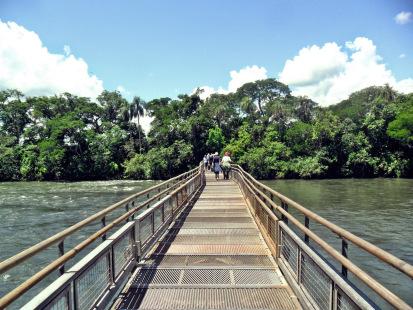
(161, 48)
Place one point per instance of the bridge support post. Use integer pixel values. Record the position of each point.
(284, 206)
(61, 247)
(344, 252)
(307, 225)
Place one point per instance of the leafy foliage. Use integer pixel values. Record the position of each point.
(268, 131)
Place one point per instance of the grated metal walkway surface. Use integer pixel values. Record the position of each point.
(213, 257)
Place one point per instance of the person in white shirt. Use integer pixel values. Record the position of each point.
(226, 165)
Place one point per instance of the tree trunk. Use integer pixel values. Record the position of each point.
(139, 136)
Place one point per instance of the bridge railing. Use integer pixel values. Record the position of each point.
(317, 282)
(100, 274)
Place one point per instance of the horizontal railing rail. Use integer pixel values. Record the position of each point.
(274, 220)
(181, 186)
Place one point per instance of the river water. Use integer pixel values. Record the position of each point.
(33, 211)
(379, 210)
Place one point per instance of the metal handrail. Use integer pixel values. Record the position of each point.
(368, 247)
(29, 252)
(383, 255)
(184, 179)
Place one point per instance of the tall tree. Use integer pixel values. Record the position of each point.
(137, 111)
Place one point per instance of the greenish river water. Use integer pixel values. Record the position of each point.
(379, 210)
(33, 211)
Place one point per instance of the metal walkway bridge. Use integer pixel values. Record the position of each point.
(212, 258)
(196, 243)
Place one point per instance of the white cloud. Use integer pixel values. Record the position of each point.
(313, 64)
(27, 65)
(402, 56)
(403, 17)
(330, 73)
(245, 75)
(238, 78)
(67, 50)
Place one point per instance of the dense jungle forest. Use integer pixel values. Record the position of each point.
(268, 131)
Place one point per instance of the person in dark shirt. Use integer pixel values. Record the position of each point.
(216, 161)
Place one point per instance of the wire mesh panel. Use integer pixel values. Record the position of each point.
(344, 302)
(272, 231)
(167, 209)
(122, 252)
(158, 217)
(93, 282)
(145, 228)
(61, 302)
(289, 252)
(315, 281)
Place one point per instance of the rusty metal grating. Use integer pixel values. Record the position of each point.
(217, 249)
(218, 231)
(221, 211)
(218, 214)
(213, 239)
(218, 219)
(208, 298)
(217, 225)
(258, 261)
(157, 277)
(257, 277)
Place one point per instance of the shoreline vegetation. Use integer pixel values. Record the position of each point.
(269, 132)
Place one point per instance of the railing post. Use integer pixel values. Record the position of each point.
(153, 222)
(272, 199)
(284, 206)
(103, 220)
(307, 225)
(127, 210)
(344, 252)
(133, 207)
(138, 239)
(61, 247)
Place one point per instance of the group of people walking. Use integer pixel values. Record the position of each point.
(216, 164)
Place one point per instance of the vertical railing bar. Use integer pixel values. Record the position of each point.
(103, 221)
(127, 210)
(133, 206)
(153, 222)
(138, 239)
(298, 264)
(344, 252)
(112, 263)
(61, 248)
(334, 296)
(75, 296)
(307, 225)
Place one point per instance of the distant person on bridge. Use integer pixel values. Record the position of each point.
(226, 165)
(206, 161)
(216, 160)
(210, 159)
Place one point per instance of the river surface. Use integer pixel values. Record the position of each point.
(379, 210)
(33, 211)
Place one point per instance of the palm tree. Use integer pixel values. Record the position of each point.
(136, 109)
